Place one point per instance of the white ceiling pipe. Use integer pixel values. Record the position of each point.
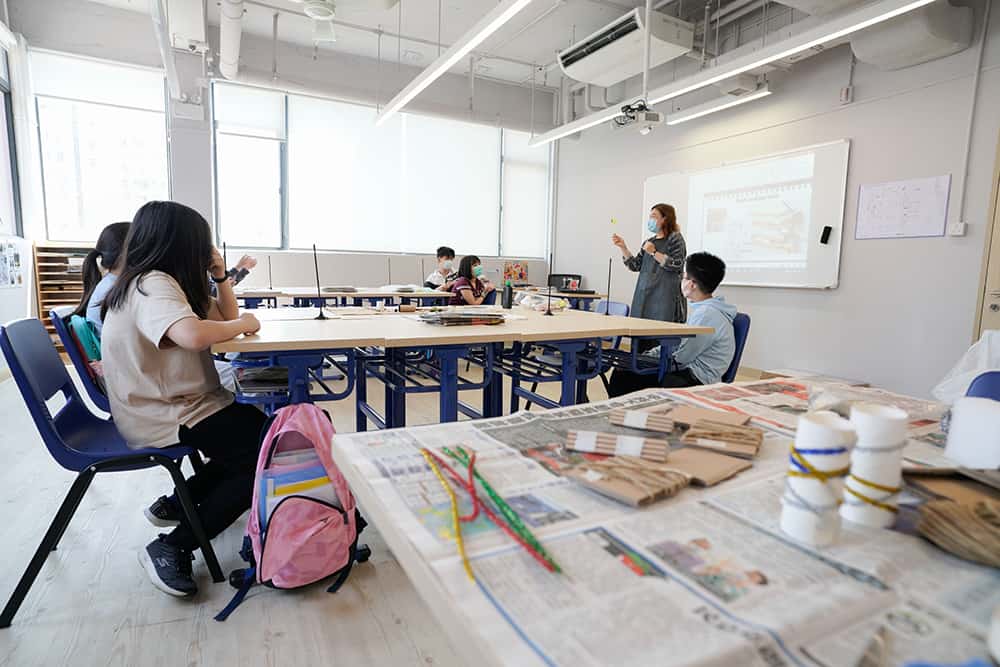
(230, 34)
(166, 52)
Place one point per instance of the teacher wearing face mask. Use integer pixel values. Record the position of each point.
(660, 264)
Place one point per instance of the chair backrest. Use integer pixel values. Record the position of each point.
(557, 280)
(611, 307)
(986, 385)
(40, 374)
(603, 307)
(490, 299)
(58, 317)
(741, 330)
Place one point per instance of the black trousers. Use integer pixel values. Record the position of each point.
(625, 382)
(223, 488)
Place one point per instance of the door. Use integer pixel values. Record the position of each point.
(988, 316)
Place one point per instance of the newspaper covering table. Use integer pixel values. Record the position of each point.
(705, 578)
(776, 404)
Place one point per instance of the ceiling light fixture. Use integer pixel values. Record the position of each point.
(486, 26)
(847, 22)
(724, 102)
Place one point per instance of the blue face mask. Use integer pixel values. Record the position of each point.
(652, 226)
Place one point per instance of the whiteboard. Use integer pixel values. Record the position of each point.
(903, 209)
(765, 216)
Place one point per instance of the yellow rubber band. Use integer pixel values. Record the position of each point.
(893, 490)
(813, 473)
(456, 523)
(871, 501)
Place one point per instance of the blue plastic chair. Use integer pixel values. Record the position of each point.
(79, 441)
(741, 330)
(602, 307)
(58, 317)
(986, 385)
(491, 298)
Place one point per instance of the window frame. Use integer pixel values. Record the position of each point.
(15, 180)
(284, 184)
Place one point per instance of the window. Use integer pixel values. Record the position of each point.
(525, 197)
(103, 142)
(10, 210)
(410, 185)
(249, 138)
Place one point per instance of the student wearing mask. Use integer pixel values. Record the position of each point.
(469, 288)
(444, 275)
(705, 357)
(159, 323)
(658, 291)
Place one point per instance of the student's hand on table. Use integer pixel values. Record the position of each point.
(246, 262)
(217, 267)
(649, 247)
(618, 241)
(489, 288)
(251, 324)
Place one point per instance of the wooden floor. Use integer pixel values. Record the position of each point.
(93, 605)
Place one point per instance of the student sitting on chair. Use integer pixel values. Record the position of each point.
(443, 276)
(159, 323)
(468, 289)
(701, 359)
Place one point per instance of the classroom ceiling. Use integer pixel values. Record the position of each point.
(533, 36)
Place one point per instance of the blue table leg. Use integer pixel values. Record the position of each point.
(395, 397)
(568, 352)
(515, 377)
(251, 303)
(299, 379)
(493, 392)
(361, 392)
(448, 394)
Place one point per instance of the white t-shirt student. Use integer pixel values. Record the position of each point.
(441, 274)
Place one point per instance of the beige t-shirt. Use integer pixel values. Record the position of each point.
(155, 386)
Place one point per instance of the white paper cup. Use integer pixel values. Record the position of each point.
(809, 528)
(857, 511)
(824, 429)
(974, 433)
(879, 425)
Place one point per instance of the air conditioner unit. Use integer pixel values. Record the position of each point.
(615, 53)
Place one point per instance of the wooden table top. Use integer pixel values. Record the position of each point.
(556, 294)
(287, 331)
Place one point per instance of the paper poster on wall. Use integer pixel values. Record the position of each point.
(917, 207)
(11, 265)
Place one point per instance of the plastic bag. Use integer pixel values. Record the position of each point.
(983, 356)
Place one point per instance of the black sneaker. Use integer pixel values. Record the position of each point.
(164, 513)
(169, 568)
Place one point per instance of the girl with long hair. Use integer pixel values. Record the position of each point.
(159, 322)
(100, 270)
(469, 288)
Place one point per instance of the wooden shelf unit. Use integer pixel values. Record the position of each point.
(55, 284)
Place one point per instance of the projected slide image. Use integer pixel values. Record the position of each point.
(759, 225)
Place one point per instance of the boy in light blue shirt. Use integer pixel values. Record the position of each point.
(705, 357)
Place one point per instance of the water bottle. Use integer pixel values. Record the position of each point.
(507, 300)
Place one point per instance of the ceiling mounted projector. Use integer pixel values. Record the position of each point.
(319, 10)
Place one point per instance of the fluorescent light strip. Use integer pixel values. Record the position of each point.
(855, 20)
(488, 25)
(716, 105)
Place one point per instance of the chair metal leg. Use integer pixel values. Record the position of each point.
(607, 384)
(534, 388)
(191, 514)
(197, 463)
(52, 535)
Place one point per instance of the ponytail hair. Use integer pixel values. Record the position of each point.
(110, 245)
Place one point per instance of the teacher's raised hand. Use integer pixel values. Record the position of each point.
(619, 241)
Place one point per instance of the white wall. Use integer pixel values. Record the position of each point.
(904, 310)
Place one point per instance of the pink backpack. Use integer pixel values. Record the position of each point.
(304, 522)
